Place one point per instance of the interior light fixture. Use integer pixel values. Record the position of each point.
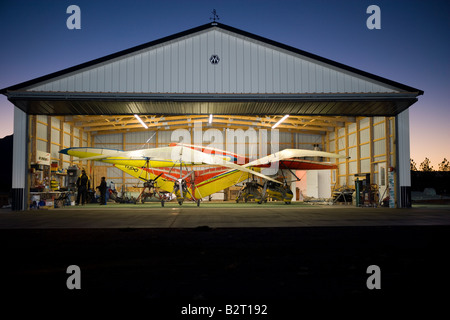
(140, 120)
(210, 118)
(280, 121)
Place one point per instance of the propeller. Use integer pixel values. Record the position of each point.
(147, 165)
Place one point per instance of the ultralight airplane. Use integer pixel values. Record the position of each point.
(194, 172)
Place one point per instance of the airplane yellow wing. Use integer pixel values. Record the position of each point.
(124, 158)
(158, 157)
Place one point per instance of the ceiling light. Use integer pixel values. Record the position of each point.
(280, 121)
(140, 120)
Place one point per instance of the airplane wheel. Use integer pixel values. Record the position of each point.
(198, 203)
(180, 202)
(287, 202)
(237, 200)
(260, 201)
(162, 203)
(245, 200)
(265, 201)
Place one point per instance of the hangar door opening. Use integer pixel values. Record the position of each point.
(368, 142)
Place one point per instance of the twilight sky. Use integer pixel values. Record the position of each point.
(412, 47)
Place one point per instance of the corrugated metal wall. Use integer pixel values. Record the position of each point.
(183, 66)
(19, 148)
(57, 136)
(19, 186)
(403, 160)
(368, 142)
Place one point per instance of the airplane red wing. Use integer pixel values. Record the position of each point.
(298, 164)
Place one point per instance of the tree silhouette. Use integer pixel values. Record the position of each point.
(413, 165)
(426, 165)
(444, 165)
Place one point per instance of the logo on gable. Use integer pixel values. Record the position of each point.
(214, 59)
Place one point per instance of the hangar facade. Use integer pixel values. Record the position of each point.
(246, 82)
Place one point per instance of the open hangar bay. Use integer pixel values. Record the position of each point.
(248, 83)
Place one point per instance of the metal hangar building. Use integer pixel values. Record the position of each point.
(245, 81)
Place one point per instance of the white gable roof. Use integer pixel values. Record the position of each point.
(247, 75)
(182, 65)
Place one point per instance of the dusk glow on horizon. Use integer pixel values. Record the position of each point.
(411, 47)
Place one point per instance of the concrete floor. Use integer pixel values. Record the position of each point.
(295, 259)
(226, 215)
